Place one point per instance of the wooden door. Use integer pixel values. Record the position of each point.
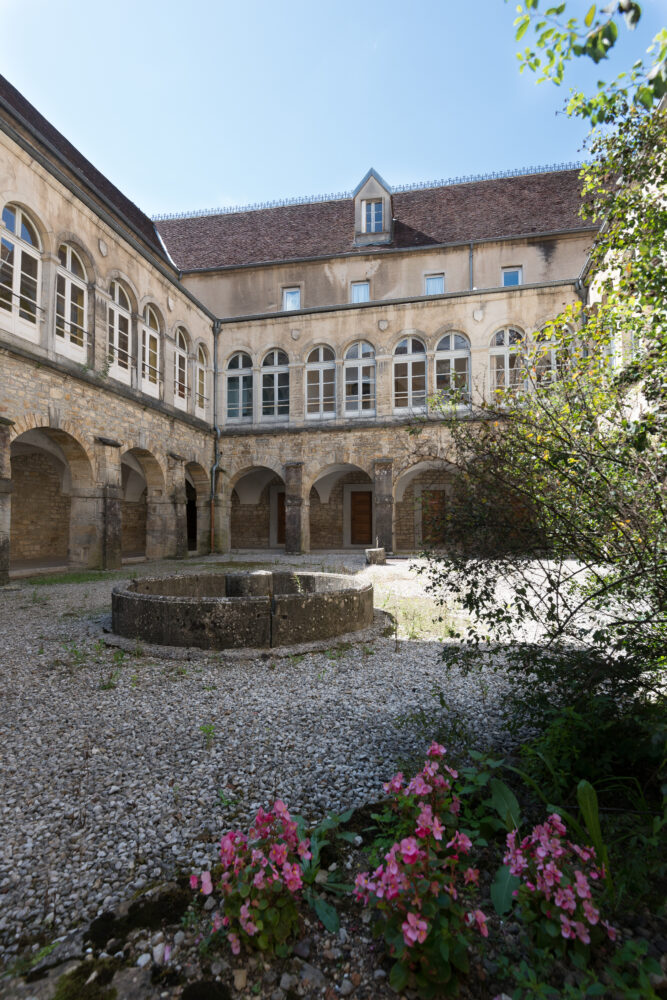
(433, 516)
(361, 517)
(280, 518)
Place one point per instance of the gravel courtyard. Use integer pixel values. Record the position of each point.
(119, 768)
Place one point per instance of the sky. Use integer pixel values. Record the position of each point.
(199, 104)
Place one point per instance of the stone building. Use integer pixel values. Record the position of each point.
(247, 379)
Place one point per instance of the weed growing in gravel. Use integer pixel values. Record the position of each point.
(111, 682)
(208, 731)
(296, 658)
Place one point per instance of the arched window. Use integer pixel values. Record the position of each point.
(452, 368)
(321, 383)
(239, 387)
(275, 386)
(181, 369)
(200, 382)
(71, 302)
(506, 359)
(410, 376)
(150, 352)
(20, 266)
(119, 325)
(360, 379)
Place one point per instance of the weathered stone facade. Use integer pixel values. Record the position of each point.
(151, 411)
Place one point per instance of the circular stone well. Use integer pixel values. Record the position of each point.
(237, 610)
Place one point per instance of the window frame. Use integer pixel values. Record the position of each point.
(181, 386)
(21, 251)
(319, 368)
(357, 365)
(117, 312)
(243, 376)
(72, 346)
(200, 386)
(151, 336)
(508, 349)
(358, 285)
(369, 215)
(431, 277)
(410, 359)
(514, 269)
(287, 291)
(271, 373)
(449, 355)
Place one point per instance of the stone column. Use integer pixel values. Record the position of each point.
(297, 510)
(110, 493)
(222, 513)
(383, 500)
(160, 541)
(203, 524)
(5, 498)
(180, 521)
(86, 528)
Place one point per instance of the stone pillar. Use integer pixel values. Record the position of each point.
(86, 528)
(222, 517)
(383, 499)
(5, 498)
(203, 524)
(297, 510)
(160, 541)
(180, 521)
(112, 515)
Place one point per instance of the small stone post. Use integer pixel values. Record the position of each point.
(383, 499)
(297, 512)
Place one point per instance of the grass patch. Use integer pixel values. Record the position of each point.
(83, 576)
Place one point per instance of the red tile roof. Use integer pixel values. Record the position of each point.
(16, 104)
(477, 210)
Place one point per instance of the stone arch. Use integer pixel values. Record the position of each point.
(198, 510)
(55, 517)
(144, 508)
(257, 507)
(44, 231)
(421, 494)
(115, 274)
(74, 240)
(341, 508)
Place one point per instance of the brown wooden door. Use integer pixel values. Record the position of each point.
(433, 516)
(280, 518)
(361, 517)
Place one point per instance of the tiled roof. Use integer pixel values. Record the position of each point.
(453, 213)
(90, 175)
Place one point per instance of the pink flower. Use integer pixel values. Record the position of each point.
(471, 876)
(557, 824)
(235, 943)
(278, 854)
(611, 931)
(460, 842)
(194, 882)
(410, 850)
(566, 927)
(592, 915)
(395, 784)
(303, 850)
(479, 918)
(582, 932)
(436, 750)
(206, 884)
(564, 898)
(280, 809)
(583, 890)
(418, 786)
(292, 876)
(414, 930)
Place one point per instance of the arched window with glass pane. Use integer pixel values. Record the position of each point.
(506, 358)
(410, 376)
(181, 369)
(119, 327)
(239, 387)
(71, 303)
(150, 352)
(452, 368)
(200, 382)
(321, 383)
(275, 386)
(20, 269)
(360, 380)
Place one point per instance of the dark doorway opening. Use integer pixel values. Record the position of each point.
(191, 515)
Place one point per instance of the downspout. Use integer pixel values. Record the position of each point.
(470, 265)
(216, 455)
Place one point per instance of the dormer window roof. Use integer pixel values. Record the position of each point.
(372, 211)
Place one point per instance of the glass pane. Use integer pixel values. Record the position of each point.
(76, 314)
(28, 288)
(352, 352)
(510, 278)
(77, 266)
(402, 347)
(247, 395)
(233, 396)
(314, 356)
(9, 218)
(460, 343)
(515, 337)
(444, 344)
(328, 354)
(282, 358)
(62, 255)
(367, 350)
(28, 232)
(498, 370)
(499, 339)
(291, 298)
(60, 306)
(123, 357)
(123, 299)
(360, 291)
(435, 284)
(6, 274)
(417, 346)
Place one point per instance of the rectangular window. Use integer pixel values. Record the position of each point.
(435, 284)
(372, 216)
(361, 291)
(291, 298)
(512, 276)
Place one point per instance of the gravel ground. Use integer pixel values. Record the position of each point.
(119, 770)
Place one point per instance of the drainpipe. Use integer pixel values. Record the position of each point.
(470, 265)
(216, 455)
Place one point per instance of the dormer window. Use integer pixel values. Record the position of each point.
(372, 214)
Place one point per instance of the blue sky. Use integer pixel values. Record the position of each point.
(199, 104)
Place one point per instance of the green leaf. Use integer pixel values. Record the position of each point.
(502, 889)
(327, 914)
(398, 977)
(588, 20)
(588, 803)
(505, 803)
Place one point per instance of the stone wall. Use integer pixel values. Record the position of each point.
(133, 527)
(40, 512)
(326, 519)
